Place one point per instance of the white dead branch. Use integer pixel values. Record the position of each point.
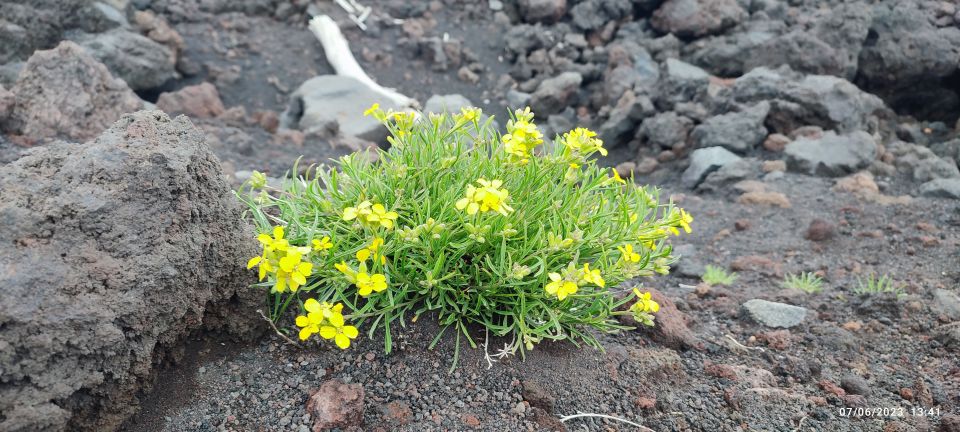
(338, 54)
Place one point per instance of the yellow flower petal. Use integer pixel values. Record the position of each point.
(253, 261)
(327, 332)
(342, 341)
(302, 321)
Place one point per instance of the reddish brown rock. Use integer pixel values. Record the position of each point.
(66, 93)
(764, 198)
(158, 29)
(646, 403)
(776, 142)
(819, 230)
(397, 412)
(336, 405)
(831, 388)
(777, 339)
(471, 420)
(268, 120)
(774, 165)
(670, 326)
(200, 101)
(758, 264)
(647, 165)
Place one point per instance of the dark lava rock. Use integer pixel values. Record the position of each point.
(831, 155)
(593, 14)
(138, 60)
(555, 94)
(537, 396)
(818, 100)
(705, 161)
(542, 10)
(941, 188)
(949, 423)
(119, 248)
(681, 82)
(736, 131)
(893, 63)
(830, 47)
(66, 93)
(665, 130)
(854, 384)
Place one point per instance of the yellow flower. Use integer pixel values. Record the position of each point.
(591, 276)
(522, 135)
(257, 180)
(275, 243)
(644, 308)
(583, 141)
(468, 115)
(488, 197)
(644, 302)
(627, 254)
(340, 333)
(322, 244)
(292, 272)
(560, 287)
(325, 310)
(373, 109)
(362, 209)
(348, 271)
(556, 242)
(309, 324)
(367, 283)
(685, 220)
(372, 250)
(371, 214)
(264, 264)
(380, 215)
(617, 178)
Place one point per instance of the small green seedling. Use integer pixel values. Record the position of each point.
(714, 275)
(806, 281)
(872, 285)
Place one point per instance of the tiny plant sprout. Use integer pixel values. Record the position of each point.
(713, 275)
(874, 285)
(805, 281)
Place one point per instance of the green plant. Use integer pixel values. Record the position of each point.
(872, 285)
(456, 221)
(805, 281)
(713, 275)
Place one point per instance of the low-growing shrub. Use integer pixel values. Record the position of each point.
(713, 275)
(805, 281)
(476, 228)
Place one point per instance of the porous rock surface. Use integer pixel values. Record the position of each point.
(116, 250)
(65, 93)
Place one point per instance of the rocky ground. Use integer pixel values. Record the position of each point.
(804, 136)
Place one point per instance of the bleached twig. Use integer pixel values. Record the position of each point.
(491, 359)
(276, 330)
(608, 417)
(740, 345)
(338, 54)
